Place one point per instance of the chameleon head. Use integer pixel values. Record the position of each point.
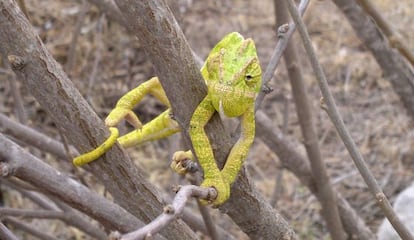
(233, 74)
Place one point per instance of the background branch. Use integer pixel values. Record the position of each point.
(333, 113)
(306, 121)
(395, 68)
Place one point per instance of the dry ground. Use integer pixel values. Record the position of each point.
(371, 110)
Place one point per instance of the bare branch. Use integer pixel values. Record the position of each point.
(84, 8)
(294, 162)
(171, 212)
(306, 120)
(28, 228)
(34, 138)
(336, 118)
(70, 217)
(5, 233)
(75, 118)
(285, 32)
(393, 36)
(29, 168)
(395, 67)
(26, 213)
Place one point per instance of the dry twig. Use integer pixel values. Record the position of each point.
(395, 68)
(295, 163)
(172, 211)
(306, 120)
(336, 118)
(28, 228)
(14, 161)
(56, 94)
(5, 233)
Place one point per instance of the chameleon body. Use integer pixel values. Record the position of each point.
(233, 76)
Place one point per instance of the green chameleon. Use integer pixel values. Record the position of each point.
(233, 76)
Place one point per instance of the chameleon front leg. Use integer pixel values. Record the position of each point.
(240, 150)
(204, 152)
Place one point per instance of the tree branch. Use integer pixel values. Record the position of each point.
(51, 87)
(395, 68)
(28, 168)
(295, 163)
(5, 233)
(336, 119)
(171, 212)
(393, 36)
(306, 120)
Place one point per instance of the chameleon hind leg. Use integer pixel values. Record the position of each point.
(162, 125)
(124, 106)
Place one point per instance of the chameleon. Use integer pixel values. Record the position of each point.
(233, 77)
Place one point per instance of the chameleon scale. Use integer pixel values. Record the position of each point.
(233, 75)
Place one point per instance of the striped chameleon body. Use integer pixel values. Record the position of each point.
(233, 77)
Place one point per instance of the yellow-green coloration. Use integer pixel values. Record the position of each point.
(99, 151)
(233, 77)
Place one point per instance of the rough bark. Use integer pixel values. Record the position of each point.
(46, 81)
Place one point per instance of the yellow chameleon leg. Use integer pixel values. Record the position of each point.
(99, 151)
(204, 152)
(123, 108)
(160, 127)
(240, 150)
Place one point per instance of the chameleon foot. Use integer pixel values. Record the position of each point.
(180, 160)
(222, 187)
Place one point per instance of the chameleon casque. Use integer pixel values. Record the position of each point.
(233, 76)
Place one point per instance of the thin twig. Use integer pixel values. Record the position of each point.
(205, 214)
(285, 32)
(28, 168)
(5, 233)
(293, 161)
(306, 120)
(29, 229)
(34, 138)
(26, 213)
(333, 113)
(84, 8)
(393, 36)
(98, 55)
(277, 192)
(33, 196)
(171, 212)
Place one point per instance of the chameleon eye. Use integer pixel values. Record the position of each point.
(249, 77)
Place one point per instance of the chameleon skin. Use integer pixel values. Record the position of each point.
(99, 151)
(233, 76)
